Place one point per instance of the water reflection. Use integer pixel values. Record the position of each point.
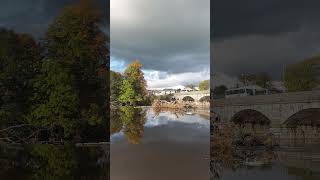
(52, 162)
(251, 151)
(129, 121)
(159, 144)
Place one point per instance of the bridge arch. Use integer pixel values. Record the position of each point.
(204, 99)
(250, 116)
(304, 117)
(188, 98)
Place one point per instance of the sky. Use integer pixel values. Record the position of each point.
(34, 16)
(171, 38)
(250, 36)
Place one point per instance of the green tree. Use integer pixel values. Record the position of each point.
(204, 85)
(55, 101)
(19, 62)
(133, 88)
(116, 80)
(76, 40)
(220, 90)
(129, 94)
(303, 76)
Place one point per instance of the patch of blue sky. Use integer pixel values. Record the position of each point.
(117, 65)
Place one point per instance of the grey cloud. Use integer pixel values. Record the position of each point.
(263, 36)
(33, 16)
(168, 35)
(267, 17)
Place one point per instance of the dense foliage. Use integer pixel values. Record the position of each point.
(302, 76)
(19, 63)
(61, 89)
(129, 88)
(204, 85)
(116, 80)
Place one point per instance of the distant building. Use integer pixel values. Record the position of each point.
(167, 91)
(163, 92)
(187, 89)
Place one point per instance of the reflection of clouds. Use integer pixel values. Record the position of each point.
(117, 136)
(165, 118)
(170, 127)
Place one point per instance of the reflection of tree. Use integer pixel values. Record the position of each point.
(115, 121)
(133, 120)
(229, 148)
(52, 162)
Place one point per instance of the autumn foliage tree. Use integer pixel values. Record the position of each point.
(133, 89)
(116, 80)
(77, 42)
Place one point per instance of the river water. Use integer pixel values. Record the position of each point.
(159, 145)
(294, 156)
(53, 162)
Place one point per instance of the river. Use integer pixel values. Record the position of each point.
(292, 155)
(54, 162)
(159, 145)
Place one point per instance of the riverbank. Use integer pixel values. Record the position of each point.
(180, 104)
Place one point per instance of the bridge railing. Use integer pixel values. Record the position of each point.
(281, 98)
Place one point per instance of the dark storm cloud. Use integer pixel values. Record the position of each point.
(264, 35)
(166, 35)
(34, 16)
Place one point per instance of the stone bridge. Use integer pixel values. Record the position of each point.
(195, 95)
(281, 110)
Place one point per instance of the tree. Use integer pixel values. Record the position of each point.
(129, 94)
(78, 43)
(244, 78)
(116, 80)
(303, 76)
(220, 90)
(19, 63)
(55, 101)
(261, 79)
(204, 85)
(133, 88)
(76, 38)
